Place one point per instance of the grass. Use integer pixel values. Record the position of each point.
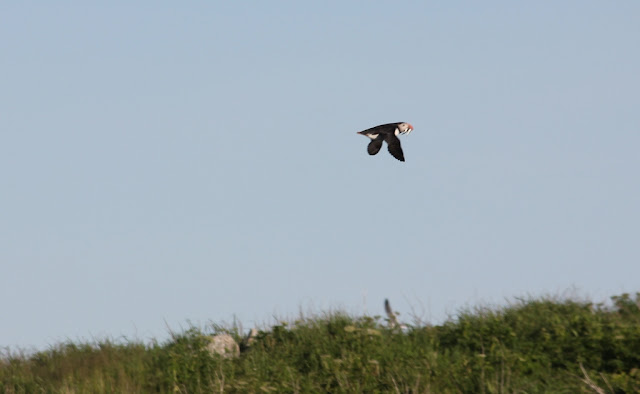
(531, 346)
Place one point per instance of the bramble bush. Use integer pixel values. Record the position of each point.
(532, 346)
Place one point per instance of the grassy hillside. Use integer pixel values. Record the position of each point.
(533, 346)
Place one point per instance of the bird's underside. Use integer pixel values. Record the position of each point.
(393, 146)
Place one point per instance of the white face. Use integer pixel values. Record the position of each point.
(405, 128)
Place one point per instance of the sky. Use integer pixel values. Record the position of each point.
(167, 164)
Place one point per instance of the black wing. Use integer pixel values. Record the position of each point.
(375, 145)
(394, 146)
(383, 128)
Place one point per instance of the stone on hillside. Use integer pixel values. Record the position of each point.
(223, 345)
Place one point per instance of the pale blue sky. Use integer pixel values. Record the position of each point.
(174, 161)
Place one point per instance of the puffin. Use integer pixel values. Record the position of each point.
(387, 132)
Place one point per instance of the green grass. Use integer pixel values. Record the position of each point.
(531, 346)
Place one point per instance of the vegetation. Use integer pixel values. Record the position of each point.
(532, 346)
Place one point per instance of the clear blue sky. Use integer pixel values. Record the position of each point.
(173, 162)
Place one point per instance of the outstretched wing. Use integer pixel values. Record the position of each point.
(394, 146)
(383, 128)
(375, 145)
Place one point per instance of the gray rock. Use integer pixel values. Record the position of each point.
(223, 345)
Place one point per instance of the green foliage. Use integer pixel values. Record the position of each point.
(532, 346)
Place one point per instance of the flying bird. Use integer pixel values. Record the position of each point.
(387, 132)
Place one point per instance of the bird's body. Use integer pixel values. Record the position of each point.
(387, 132)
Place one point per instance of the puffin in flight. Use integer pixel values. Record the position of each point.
(387, 132)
